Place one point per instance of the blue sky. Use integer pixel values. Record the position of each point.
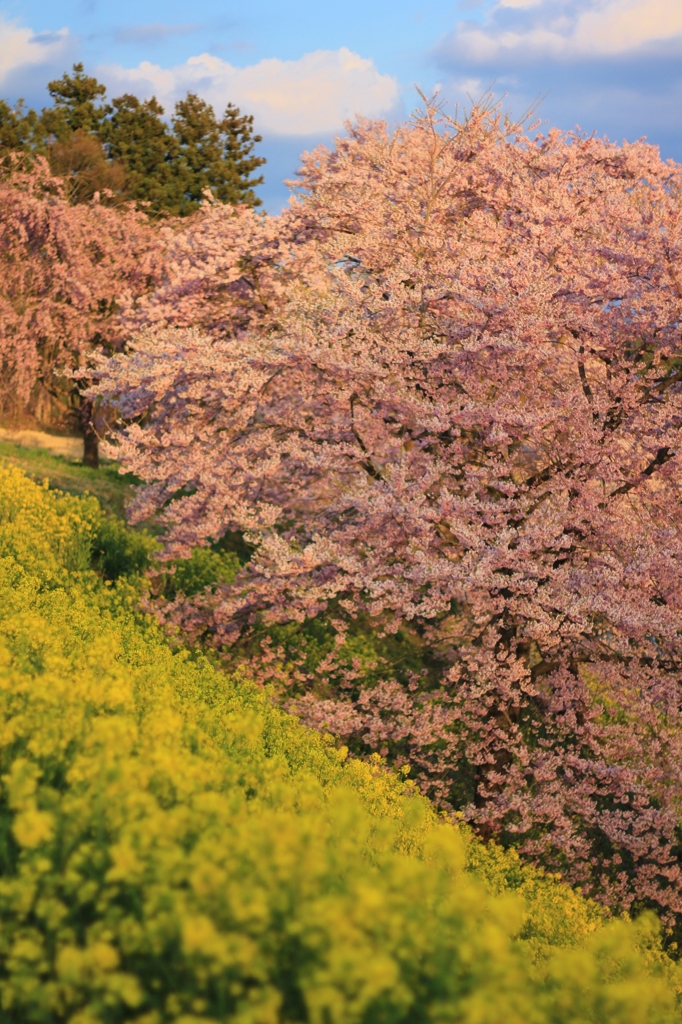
(611, 66)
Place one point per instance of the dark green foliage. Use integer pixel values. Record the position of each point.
(138, 137)
(238, 143)
(204, 569)
(128, 148)
(77, 105)
(369, 653)
(21, 129)
(215, 154)
(119, 551)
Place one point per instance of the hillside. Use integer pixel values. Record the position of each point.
(175, 848)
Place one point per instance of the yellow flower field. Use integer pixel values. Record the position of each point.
(175, 848)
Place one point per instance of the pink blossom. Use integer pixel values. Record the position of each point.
(443, 389)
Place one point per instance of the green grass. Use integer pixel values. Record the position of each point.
(118, 550)
(111, 488)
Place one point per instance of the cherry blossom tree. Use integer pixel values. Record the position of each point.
(458, 413)
(67, 272)
(224, 271)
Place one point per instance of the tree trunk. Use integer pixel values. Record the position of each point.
(90, 438)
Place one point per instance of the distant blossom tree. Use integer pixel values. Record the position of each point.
(67, 272)
(458, 406)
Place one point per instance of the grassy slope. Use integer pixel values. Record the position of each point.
(109, 487)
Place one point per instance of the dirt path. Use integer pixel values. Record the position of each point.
(68, 447)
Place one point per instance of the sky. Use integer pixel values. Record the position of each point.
(613, 67)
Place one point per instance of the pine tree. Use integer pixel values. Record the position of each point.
(238, 145)
(21, 130)
(76, 125)
(137, 136)
(215, 154)
(128, 148)
(77, 105)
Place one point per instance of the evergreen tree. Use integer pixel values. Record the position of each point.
(137, 136)
(69, 134)
(215, 154)
(129, 149)
(238, 145)
(20, 129)
(76, 125)
(77, 105)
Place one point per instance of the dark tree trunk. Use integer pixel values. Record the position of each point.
(90, 438)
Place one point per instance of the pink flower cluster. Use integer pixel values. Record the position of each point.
(67, 273)
(443, 389)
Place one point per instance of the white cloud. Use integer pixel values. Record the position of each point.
(627, 24)
(596, 29)
(312, 95)
(20, 47)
